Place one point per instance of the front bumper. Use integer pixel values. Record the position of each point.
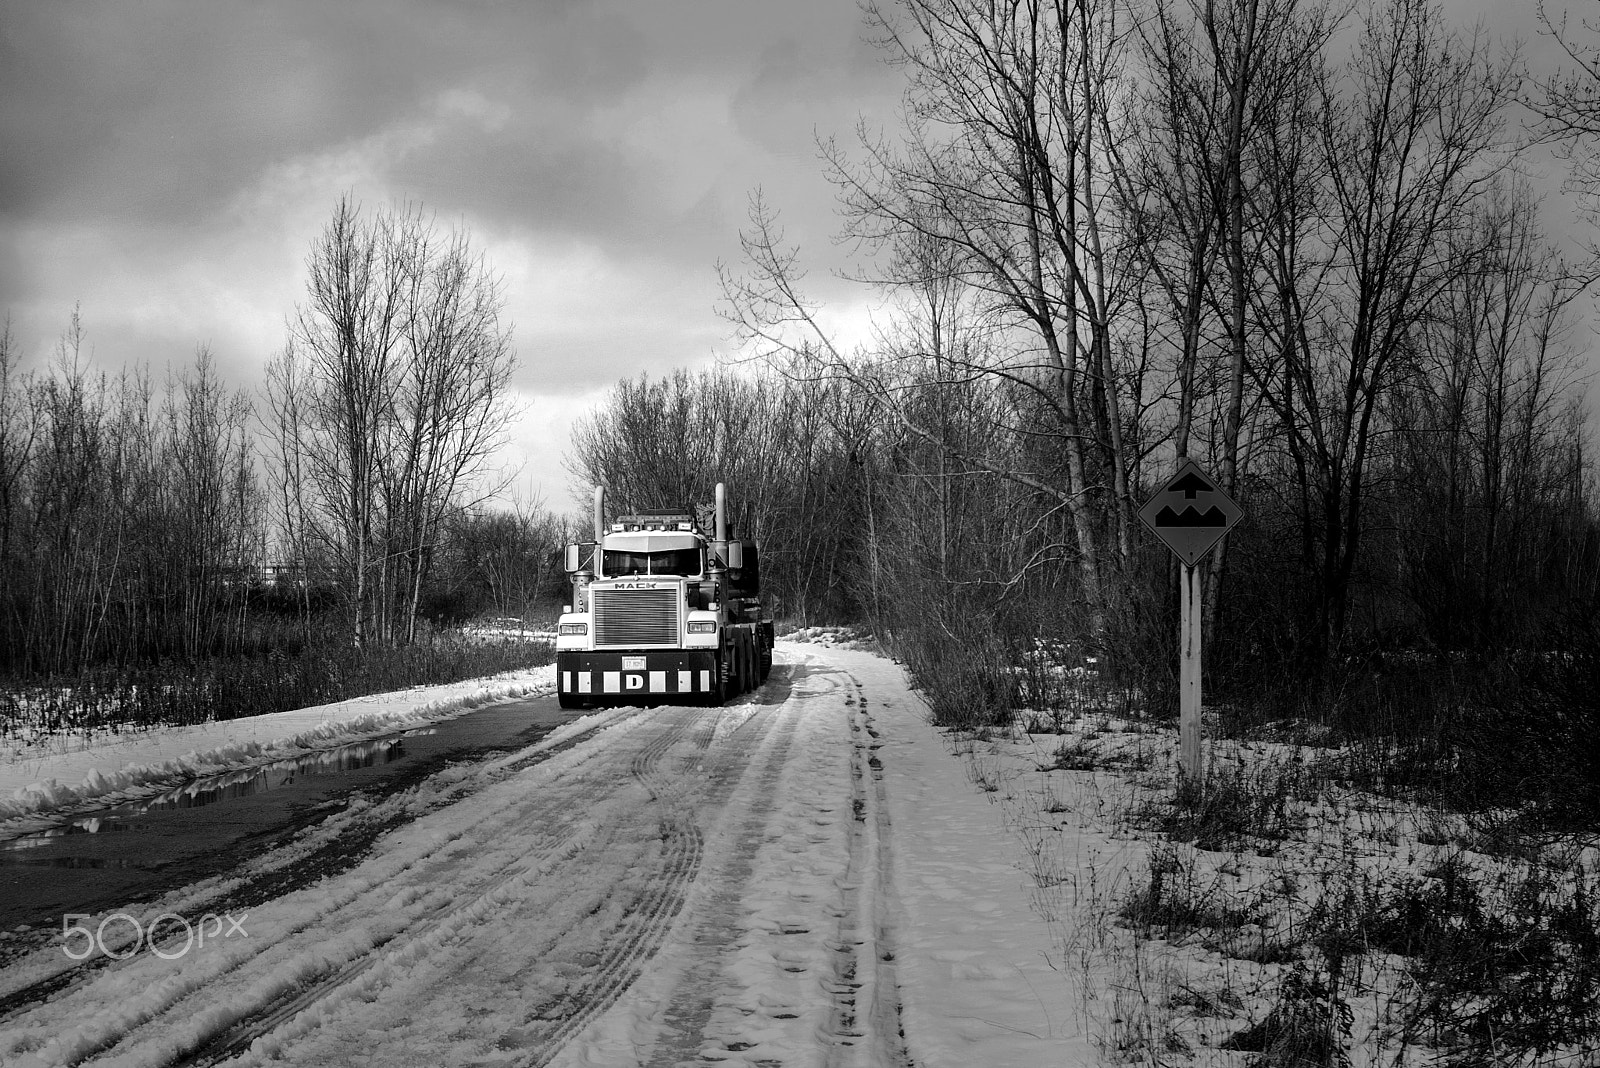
(652, 672)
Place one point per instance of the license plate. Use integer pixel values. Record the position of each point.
(633, 663)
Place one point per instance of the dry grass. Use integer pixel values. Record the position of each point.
(182, 693)
(1301, 905)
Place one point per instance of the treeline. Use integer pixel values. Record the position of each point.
(125, 510)
(147, 521)
(791, 452)
(1293, 247)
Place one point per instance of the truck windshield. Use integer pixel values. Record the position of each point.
(670, 562)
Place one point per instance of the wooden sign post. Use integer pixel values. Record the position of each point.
(1189, 673)
(1190, 514)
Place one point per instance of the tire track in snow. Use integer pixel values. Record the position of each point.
(294, 862)
(758, 971)
(844, 986)
(211, 1032)
(867, 1002)
(438, 898)
(416, 940)
(680, 827)
(648, 922)
(691, 1006)
(458, 912)
(600, 958)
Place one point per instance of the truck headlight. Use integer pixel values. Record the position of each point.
(574, 628)
(703, 626)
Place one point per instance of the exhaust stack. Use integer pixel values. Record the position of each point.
(599, 514)
(731, 553)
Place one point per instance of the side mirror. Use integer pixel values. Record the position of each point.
(734, 554)
(575, 556)
(747, 579)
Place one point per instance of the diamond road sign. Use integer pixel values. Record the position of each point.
(1191, 513)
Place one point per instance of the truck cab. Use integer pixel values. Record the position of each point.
(661, 612)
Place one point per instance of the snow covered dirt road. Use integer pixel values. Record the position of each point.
(656, 886)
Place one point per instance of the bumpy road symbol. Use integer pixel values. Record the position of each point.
(1191, 513)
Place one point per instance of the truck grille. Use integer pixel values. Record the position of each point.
(628, 619)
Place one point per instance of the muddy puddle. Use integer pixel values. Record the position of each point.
(140, 847)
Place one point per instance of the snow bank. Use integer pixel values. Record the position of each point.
(37, 779)
(832, 637)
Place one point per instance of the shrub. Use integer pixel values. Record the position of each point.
(1307, 1027)
(1080, 754)
(967, 682)
(1510, 967)
(1507, 740)
(1171, 901)
(1528, 745)
(1232, 808)
(1499, 967)
(150, 695)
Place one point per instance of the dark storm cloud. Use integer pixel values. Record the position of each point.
(791, 85)
(132, 111)
(547, 168)
(161, 110)
(625, 164)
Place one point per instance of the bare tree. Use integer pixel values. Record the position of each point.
(1487, 435)
(508, 557)
(211, 524)
(792, 451)
(1567, 103)
(129, 513)
(1190, 180)
(345, 338)
(78, 532)
(1362, 244)
(289, 483)
(449, 412)
(1003, 163)
(393, 384)
(1106, 234)
(19, 433)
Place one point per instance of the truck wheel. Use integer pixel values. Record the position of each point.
(769, 642)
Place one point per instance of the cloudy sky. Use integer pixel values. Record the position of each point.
(168, 163)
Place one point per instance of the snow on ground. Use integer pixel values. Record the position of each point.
(811, 875)
(808, 876)
(879, 844)
(1265, 920)
(53, 776)
(978, 983)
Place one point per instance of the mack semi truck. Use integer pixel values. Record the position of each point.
(661, 612)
